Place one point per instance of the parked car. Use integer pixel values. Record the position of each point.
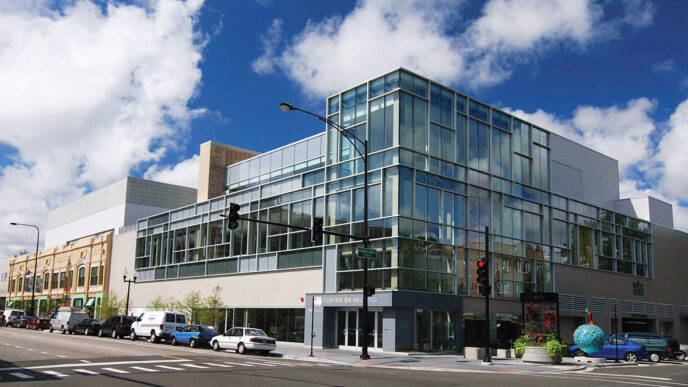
(39, 323)
(627, 350)
(12, 317)
(116, 326)
(65, 319)
(24, 321)
(157, 325)
(656, 345)
(244, 339)
(88, 326)
(194, 335)
(676, 351)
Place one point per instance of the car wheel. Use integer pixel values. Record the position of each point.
(153, 337)
(192, 343)
(578, 353)
(241, 349)
(87, 332)
(132, 336)
(680, 356)
(631, 357)
(51, 329)
(216, 346)
(114, 334)
(173, 341)
(100, 332)
(64, 330)
(35, 328)
(654, 357)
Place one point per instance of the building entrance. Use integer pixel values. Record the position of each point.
(350, 328)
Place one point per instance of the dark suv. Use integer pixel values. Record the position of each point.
(116, 327)
(657, 346)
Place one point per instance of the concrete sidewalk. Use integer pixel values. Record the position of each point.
(419, 361)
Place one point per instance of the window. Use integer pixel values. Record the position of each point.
(460, 139)
(441, 105)
(501, 153)
(479, 111)
(181, 319)
(333, 105)
(413, 124)
(383, 84)
(500, 120)
(521, 169)
(82, 276)
(383, 122)
(63, 276)
(102, 274)
(354, 106)
(477, 145)
(540, 167)
(169, 317)
(414, 84)
(521, 137)
(94, 275)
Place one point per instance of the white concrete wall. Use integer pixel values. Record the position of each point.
(282, 289)
(109, 219)
(582, 173)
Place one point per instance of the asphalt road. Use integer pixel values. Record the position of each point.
(42, 358)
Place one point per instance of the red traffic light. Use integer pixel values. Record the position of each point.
(481, 263)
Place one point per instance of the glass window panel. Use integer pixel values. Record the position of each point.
(333, 105)
(461, 139)
(479, 111)
(477, 145)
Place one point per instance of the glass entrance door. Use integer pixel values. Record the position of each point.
(350, 328)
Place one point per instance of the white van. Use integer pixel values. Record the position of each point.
(12, 317)
(66, 318)
(157, 325)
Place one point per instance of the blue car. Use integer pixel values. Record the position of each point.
(628, 350)
(194, 335)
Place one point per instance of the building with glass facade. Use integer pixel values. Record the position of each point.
(442, 168)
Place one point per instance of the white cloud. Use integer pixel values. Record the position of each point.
(673, 156)
(622, 133)
(666, 66)
(265, 63)
(184, 173)
(426, 37)
(85, 95)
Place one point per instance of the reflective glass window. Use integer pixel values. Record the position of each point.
(477, 145)
(383, 122)
(479, 111)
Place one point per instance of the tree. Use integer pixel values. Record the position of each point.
(157, 304)
(212, 304)
(111, 305)
(191, 305)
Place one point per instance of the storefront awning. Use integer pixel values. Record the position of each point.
(90, 303)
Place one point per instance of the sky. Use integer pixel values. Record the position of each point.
(92, 91)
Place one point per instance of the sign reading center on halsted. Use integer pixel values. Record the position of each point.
(367, 253)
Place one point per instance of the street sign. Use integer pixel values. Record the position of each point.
(367, 253)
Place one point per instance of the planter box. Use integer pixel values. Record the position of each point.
(538, 355)
(504, 353)
(474, 353)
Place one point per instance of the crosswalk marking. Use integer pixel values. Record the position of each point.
(239, 364)
(278, 363)
(144, 369)
(262, 364)
(115, 370)
(85, 372)
(322, 365)
(55, 373)
(218, 365)
(170, 368)
(193, 365)
(21, 375)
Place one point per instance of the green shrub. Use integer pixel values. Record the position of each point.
(555, 348)
(521, 343)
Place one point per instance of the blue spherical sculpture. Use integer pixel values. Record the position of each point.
(589, 337)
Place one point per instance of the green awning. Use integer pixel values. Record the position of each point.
(90, 303)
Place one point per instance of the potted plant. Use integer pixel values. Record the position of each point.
(539, 347)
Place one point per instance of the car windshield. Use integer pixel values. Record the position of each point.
(254, 332)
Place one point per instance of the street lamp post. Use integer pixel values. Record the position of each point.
(35, 264)
(285, 107)
(129, 282)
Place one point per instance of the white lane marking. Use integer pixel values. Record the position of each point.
(8, 344)
(218, 365)
(278, 363)
(322, 365)
(169, 368)
(262, 364)
(21, 375)
(70, 365)
(193, 365)
(44, 353)
(115, 370)
(239, 364)
(29, 349)
(85, 372)
(55, 373)
(85, 361)
(632, 376)
(16, 346)
(62, 356)
(144, 369)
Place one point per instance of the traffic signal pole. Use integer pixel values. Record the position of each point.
(487, 289)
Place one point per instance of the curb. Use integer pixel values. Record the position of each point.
(316, 360)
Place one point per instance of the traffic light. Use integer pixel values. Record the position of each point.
(233, 217)
(317, 231)
(483, 279)
(369, 291)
